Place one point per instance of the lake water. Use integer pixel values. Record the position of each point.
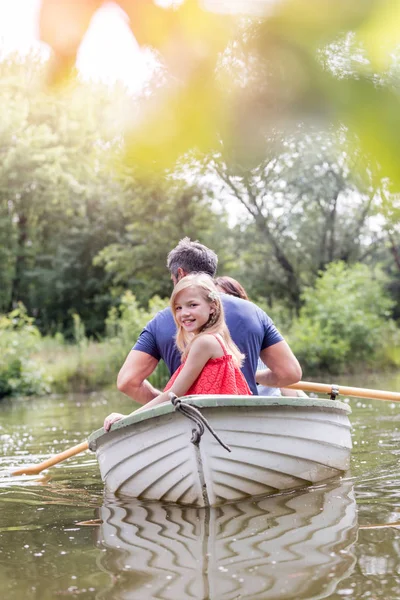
(61, 538)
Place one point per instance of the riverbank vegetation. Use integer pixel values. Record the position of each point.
(310, 232)
(344, 324)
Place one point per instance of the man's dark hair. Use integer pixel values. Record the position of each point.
(192, 257)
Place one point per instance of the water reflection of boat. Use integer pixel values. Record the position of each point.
(277, 444)
(283, 547)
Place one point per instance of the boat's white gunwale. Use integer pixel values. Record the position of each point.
(223, 401)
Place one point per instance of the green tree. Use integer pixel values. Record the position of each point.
(304, 208)
(158, 215)
(19, 373)
(59, 200)
(344, 320)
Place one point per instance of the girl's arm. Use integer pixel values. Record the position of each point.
(202, 349)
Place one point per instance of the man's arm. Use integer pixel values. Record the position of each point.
(132, 377)
(283, 366)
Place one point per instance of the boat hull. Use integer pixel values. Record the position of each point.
(277, 444)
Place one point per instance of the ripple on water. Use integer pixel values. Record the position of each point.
(246, 549)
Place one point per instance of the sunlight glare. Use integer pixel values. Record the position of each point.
(108, 53)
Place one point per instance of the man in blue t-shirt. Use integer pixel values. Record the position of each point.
(250, 327)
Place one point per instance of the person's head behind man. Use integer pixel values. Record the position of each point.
(191, 257)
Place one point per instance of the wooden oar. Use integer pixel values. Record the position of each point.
(382, 526)
(343, 390)
(35, 469)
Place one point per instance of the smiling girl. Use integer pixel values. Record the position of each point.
(211, 361)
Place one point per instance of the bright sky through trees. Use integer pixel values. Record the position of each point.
(109, 51)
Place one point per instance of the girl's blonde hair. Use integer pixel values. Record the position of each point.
(215, 324)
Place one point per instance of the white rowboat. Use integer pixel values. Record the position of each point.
(277, 444)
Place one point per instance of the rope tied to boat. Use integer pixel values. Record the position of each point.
(192, 413)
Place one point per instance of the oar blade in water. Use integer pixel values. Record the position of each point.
(27, 470)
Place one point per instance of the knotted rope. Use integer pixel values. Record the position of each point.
(192, 413)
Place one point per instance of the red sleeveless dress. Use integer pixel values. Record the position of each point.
(219, 376)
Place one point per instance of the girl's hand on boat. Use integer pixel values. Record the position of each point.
(112, 418)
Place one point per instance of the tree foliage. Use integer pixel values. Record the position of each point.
(158, 215)
(76, 227)
(19, 338)
(344, 320)
(305, 207)
(233, 80)
(57, 201)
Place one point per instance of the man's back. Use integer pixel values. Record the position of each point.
(251, 330)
